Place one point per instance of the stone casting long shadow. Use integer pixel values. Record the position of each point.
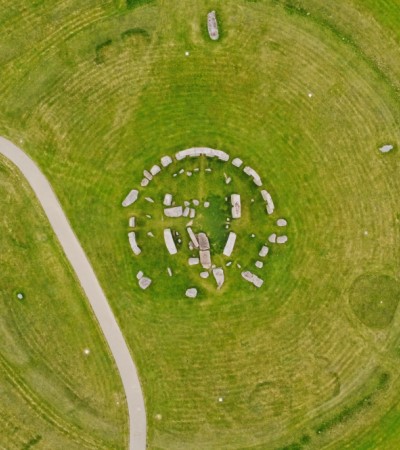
(88, 280)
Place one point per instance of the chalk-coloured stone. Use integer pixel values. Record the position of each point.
(272, 238)
(205, 258)
(236, 206)
(144, 282)
(193, 237)
(139, 275)
(132, 222)
(169, 242)
(204, 274)
(190, 223)
(251, 278)
(144, 182)
(130, 198)
(166, 161)
(229, 263)
(149, 199)
(169, 271)
(218, 273)
(191, 293)
(281, 222)
(148, 216)
(175, 211)
(230, 243)
(191, 246)
(264, 251)
(259, 264)
(212, 26)
(196, 202)
(167, 200)
(238, 266)
(193, 261)
(20, 296)
(150, 234)
(155, 170)
(253, 235)
(175, 174)
(228, 180)
(192, 213)
(132, 241)
(281, 239)
(268, 199)
(237, 162)
(206, 204)
(186, 212)
(386, 148)
(148, 175)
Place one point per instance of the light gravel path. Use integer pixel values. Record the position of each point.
(88, 280)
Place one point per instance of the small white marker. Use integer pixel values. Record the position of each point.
(310, 94)
(220, 399)
(86, 351)
(187, 53)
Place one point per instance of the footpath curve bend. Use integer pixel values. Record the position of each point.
(91, 286)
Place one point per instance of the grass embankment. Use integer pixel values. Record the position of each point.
(292, 361)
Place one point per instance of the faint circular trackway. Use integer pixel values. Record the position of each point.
(88, 280)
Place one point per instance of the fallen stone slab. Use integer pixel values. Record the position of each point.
(148, 175)
(251, 278)
(144, 282)
(204, 275)
(193, 237)
(191, 293)
(139, 275)
(264, 251)
(130, 198)
(203, 241)
(192, 213)
(175, 211)
(281, 239)
(386, 148)
(132, 241)
(218, 273)
(237, 162)
(144, 182)
(268, 199)
(186, 212)
(205, 259)
(212, 26)
(259, 264)
(155, 170)
(230, 243)
(167, 200)
(166, 161)
(132, 222)
(193, 261)
(169, 242)
(236, 206)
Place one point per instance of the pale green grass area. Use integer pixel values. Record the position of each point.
(95, 103)
(52, 395)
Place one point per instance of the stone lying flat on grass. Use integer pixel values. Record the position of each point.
(204, 275)
(148, 175)
(132, 222)
(268, 199)
(132, 241)
(272, 238)
(175, 211)
(281, 239)
(259, 264)
(264, 251)
(203, 241)
(205, 259)
(144, 282)
(167, 200)
(281, 222)
(166, 161)
(193, 237)
(193, 261)
(236, 206)
(218, 273)
(230, 243)
(252, 173)
(155, 170)
(212, 26)
(237, 162)
(169, 242)
(386, 148)
(251, 278)
(191, 293)
(130, 198)
(149, 199)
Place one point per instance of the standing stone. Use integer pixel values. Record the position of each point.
(144, 282)
(166, 161)
(191, 293)
(130, 198)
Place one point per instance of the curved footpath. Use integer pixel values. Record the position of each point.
(88, 280)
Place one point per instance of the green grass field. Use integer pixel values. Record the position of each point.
(97, 92)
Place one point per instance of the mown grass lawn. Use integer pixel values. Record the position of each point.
(306, 94)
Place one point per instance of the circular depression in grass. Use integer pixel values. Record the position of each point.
(374, 299)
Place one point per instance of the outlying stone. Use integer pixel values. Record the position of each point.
(144, 282)
(166, 161)
(268, 199)
(191, 293)
(218, 273)
(167, 200)
(237, 162)
(155, 170)
(132, 241)
(230, 243)
(281, 239)
(169, 242)
(212, 26)
(264, 251)
(130, 198)
(175, 211)
(236, 206)
(132, 222)
(251, 278)
(281, 222)
(193, 261)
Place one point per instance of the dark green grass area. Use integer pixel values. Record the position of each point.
(374, 299)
